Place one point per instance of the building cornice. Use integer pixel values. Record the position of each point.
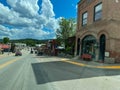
(79, 2)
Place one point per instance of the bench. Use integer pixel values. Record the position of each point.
(86, 56)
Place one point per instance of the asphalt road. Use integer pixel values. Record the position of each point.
(30, 72)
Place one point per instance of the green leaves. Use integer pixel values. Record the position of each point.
(67, 29)
(5, 40)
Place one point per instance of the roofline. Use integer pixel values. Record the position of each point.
(79, 1)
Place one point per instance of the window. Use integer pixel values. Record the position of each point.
(84, 18)
(98, 12)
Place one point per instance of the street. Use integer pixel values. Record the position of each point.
(31, 72)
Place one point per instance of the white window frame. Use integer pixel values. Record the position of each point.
(84, 18)
(98, 12)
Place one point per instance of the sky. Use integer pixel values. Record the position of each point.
(36, 19)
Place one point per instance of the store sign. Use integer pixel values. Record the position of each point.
(107, 54)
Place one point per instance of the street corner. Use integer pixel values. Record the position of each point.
(72, 62)
(90, 65)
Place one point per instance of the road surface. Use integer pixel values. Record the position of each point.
(31, 72)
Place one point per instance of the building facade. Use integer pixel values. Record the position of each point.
(98, 29)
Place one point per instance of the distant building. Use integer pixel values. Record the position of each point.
(20, 45)
(39, 45)
(4, 47)
(52, 45)
(98, 29)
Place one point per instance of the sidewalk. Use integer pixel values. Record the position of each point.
(91, 64)
(6, 54)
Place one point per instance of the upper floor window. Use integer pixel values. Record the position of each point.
(98, 12)
(84, 18)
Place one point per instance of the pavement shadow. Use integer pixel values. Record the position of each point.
(59, 71)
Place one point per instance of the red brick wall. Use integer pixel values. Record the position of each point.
(114, 49)
(109, 25)
(111, 10)
(89, 7)
(116, 55)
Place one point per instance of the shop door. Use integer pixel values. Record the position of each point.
(102, 47)
(78, 46)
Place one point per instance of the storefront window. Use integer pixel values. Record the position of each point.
(88, 45)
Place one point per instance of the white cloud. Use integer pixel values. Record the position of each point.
(26, 22)
(47, 9)
(25, 32)
(4, 31)
(8, 16)
(76, 6)
(52, 23)
(28, 8)
(33, 32)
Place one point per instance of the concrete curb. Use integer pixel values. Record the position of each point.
(89, 65)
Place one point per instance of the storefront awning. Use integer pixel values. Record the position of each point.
(3, 46)
(89, 38)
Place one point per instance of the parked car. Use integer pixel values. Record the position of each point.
(40, 53)
(18, 53)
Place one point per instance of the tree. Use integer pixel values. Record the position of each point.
(67, 29)
(30, 42)
(5, 40)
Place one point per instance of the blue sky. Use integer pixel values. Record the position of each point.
(37, 19)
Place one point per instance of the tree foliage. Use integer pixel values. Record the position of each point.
(5, 40)
(67, 29)
(29, 42)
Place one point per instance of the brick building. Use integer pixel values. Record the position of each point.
(98, 29)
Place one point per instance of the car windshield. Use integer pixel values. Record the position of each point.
(59, 45)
